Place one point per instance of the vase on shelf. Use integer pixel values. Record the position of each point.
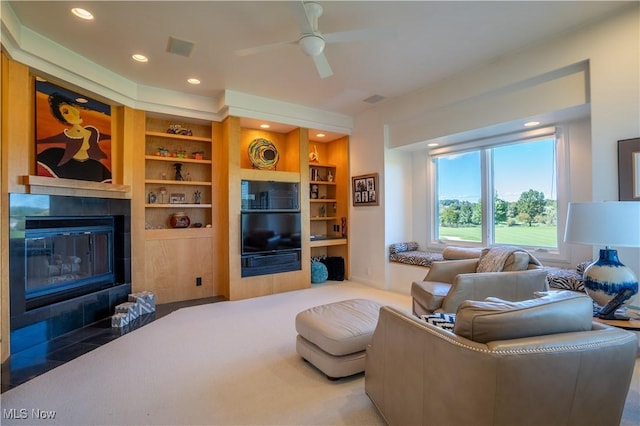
(178, 167)
(180, 220)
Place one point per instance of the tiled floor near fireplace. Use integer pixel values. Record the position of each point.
(39, 359)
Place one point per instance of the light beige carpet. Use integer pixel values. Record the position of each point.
(228, 363)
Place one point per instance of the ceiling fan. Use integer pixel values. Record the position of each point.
(312, 42)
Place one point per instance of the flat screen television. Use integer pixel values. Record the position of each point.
(270, 232)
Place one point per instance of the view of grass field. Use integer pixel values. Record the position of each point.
(537, 235)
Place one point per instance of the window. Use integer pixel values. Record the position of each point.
(499, 191)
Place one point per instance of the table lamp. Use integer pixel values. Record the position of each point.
(607, 223)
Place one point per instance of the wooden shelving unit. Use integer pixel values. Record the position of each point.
(328, 200)
(162, 151)
(178, 263)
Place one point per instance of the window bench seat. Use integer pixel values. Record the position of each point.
(416, 257)
(407, 253)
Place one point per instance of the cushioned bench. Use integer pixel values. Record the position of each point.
(409, 254)
(333, 337)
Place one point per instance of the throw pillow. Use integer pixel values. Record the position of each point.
(319, 272)
(402, 247)
(496, 319)
(518, 261)
(582, 266)
(444, 321)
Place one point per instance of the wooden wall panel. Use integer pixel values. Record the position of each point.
(16, 150)
(172, 266)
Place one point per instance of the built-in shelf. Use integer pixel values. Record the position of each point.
(175, 136)
(328, 242)
(177, 182)
(321, 182)
(324, 218)
(178, 206)
(323, 200)
(176, 159)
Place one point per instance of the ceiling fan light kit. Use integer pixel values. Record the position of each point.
(311, 44)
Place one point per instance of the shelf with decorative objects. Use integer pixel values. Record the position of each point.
(178, 174)
(328, 200)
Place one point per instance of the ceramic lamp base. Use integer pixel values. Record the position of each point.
(607, 277)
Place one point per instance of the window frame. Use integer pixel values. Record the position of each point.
(561, 252)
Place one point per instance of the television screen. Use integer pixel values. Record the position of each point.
(268, 232)
(269, 195)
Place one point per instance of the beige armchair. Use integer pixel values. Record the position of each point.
(449, 283)
(537, 362)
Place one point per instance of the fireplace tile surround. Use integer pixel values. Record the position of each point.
(31, 327)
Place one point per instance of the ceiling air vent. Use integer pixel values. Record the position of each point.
(374, 99)
(180, 47)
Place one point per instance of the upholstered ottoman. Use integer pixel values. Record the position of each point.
(333, 337)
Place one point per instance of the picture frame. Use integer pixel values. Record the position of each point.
(629, 169)
(177, 198)
(56, 151)
(365, 191)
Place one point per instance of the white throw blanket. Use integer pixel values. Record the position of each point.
(495, 258)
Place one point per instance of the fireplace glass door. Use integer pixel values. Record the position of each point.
(62, 260)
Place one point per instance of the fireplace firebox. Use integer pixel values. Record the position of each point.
(67, 257)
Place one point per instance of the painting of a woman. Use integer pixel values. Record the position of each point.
(74, 151)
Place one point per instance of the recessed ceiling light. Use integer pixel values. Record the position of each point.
(433, 144)
(264, 126)
(82, 13)
(193, 81)
(82, 100)
(140, 58)
(531, 123)
(320, 135)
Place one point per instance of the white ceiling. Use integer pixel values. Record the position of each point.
(433, 40)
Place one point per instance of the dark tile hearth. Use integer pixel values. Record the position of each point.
(29, 363)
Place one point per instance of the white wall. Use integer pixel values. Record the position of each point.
(611, 49)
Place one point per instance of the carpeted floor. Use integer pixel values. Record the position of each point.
(227, 363)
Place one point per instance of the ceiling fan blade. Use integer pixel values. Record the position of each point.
(263, 48)
(322, 65)
(360, 35)
(304, 20)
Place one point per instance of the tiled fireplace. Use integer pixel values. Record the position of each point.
(70, 263)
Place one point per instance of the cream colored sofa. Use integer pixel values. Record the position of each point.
(535, 362)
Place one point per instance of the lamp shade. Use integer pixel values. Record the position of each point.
(609, 223)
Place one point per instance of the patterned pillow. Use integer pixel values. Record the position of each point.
(582, 266)
(401, 247)
(565, 279)
(444, 321)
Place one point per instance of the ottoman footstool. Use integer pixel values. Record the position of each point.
(333, 337)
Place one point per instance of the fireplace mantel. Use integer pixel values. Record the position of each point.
(72, 187)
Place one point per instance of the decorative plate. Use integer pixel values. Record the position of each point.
(263, 154)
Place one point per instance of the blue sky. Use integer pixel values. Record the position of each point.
(517, 168)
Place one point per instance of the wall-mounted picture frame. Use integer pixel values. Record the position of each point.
(177, 198)
(72, 134)
(365, 191)
(629, 169)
